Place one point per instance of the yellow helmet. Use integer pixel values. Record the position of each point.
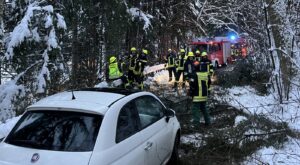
(197, 52)
(190, 54)
(133, 49)
(182, 51)
(112, 59)
(145, 51)
(203, 54)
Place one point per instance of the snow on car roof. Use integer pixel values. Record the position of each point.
(92, 101)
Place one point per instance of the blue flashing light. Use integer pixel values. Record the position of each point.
(232, 37)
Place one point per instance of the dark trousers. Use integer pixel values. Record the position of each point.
(172, 69)
(139, 79)
(130, 76)
(196, 108)
(179, 73)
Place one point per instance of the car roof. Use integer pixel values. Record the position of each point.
(93, 100)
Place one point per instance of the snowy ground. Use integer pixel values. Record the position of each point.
(246, 98)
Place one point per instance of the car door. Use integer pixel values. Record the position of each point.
(128, 136)
(126, 147)
(157, 142)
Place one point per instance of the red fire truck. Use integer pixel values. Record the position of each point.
(219, 49)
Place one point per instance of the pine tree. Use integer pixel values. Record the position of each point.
(33, 52)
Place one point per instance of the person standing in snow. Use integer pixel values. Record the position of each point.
(206, 66)
(131, 62)
(138, 71)
(188, 65)
(198, 55)
(199, 92)
(180, 67)
(114, 72)
(170, 64)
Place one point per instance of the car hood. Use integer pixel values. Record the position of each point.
(14, 155)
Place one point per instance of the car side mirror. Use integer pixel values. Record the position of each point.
(169, 114)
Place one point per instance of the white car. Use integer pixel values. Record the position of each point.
(96, 126)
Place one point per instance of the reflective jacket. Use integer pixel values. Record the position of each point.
(206, 66)
(132, 61)
(171, 60)
(140, 64)
(180, 63)
(114, 71)
(199, 86)
(188, 68)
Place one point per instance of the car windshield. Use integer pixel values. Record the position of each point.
(56, 130)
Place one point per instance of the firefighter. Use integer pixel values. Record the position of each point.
(138, 71)
(131, 65)
(188, 65)
(197, 55)
(171, 64)
(199, 92)
(115, 71)
(206, 66)
(180, 67)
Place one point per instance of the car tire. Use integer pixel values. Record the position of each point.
(174, 160)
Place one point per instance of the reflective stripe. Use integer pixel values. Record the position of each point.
(203, 87)
(190, 68)
(114, 71)
(138, 69)
(132, 62)
(171, 62)
(180, 63)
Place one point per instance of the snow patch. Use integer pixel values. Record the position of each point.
(52, 42)
(289, 154)
(239, 119)
(194, 139)
(135, 12)
(61, 21)
(6, 127)
(103, 84)
(48, 21)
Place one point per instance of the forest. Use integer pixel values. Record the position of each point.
(49, 46)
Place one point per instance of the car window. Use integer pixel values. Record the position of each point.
(149, 109)
(128, 122)
(56, 130)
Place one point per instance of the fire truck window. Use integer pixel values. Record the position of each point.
(215, 47)
(201, 48)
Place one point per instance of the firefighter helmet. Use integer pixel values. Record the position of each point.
(190, 54)
(197, 52)
(203, 54)
(133, 49)
(145, 51)
(182, 51)
(112, 59)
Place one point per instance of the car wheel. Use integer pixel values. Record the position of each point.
(174, 160)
